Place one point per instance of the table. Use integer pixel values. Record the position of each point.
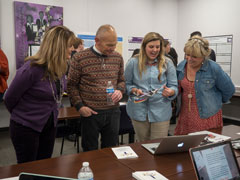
(106, 166)
(67, 113)
(103, 166)
(173, 165)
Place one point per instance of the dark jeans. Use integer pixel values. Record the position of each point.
(31, 145)
(105, 122)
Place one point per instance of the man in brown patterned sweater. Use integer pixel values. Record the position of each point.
(89, 73)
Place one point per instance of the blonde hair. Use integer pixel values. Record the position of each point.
(152, 36)
(197, 46)
(52, 54)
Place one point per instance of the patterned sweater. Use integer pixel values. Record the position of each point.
(88, 76)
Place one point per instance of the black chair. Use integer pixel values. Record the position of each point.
(126, 126)
(64, 130)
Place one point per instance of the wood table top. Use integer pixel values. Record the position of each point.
(66, 113)
(106, 166)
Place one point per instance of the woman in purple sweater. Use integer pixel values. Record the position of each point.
(34, 95)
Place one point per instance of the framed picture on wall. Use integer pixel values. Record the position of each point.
(31, 22)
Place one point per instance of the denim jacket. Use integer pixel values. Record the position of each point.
(157, 108)
(212, 87)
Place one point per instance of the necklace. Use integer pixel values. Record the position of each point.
(191, 83)
(190, 78)
(57, 98)
(151, 63)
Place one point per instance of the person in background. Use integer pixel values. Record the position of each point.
(89, 73)
(34, 95)
(212, 54)
(148, 71)
(174, 55)
(168, 48)
(78, 45)
(4, 73)
(135, 52)
(204, 86)
(74, 124)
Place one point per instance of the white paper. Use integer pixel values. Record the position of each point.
(124, 152)
(212, 137)
(148, 175)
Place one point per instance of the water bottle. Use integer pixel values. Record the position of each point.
(110, 91)
(85, 172)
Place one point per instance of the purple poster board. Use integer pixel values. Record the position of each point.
(31, 22)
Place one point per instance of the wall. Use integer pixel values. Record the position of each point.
(174, 19)
(215, 17)
(129, 17)
(165, 19)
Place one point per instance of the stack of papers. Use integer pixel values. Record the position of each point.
(213, 137)
(148, 175)
(124, 152)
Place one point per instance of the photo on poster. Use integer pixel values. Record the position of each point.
(31, 22)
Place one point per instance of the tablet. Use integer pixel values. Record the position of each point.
(31, 176)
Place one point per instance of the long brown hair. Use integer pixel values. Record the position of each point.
(151, 36)
(52, 53)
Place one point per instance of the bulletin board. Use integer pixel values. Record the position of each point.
(222, 45)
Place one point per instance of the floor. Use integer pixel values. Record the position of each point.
(8, 157)
(7, 153)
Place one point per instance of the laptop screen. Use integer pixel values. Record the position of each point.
(215, 161)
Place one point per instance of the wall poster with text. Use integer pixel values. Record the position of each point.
(222, 45)
(133, 43)
(31, 22)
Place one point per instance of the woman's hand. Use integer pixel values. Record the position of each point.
(167, 91)
(137, 91)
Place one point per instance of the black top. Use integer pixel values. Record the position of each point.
(212, 55)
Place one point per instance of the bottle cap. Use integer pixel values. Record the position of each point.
(85, 164)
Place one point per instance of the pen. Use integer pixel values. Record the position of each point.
(152, 176)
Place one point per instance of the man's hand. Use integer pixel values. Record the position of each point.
(116, 96)
(86, 111)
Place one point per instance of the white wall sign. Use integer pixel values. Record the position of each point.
(222, 45)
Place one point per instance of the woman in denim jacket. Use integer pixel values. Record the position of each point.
(203, 87)
(146, 72)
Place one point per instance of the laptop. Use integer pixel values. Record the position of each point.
(31, 176)
(173, 144)
(215, 161)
